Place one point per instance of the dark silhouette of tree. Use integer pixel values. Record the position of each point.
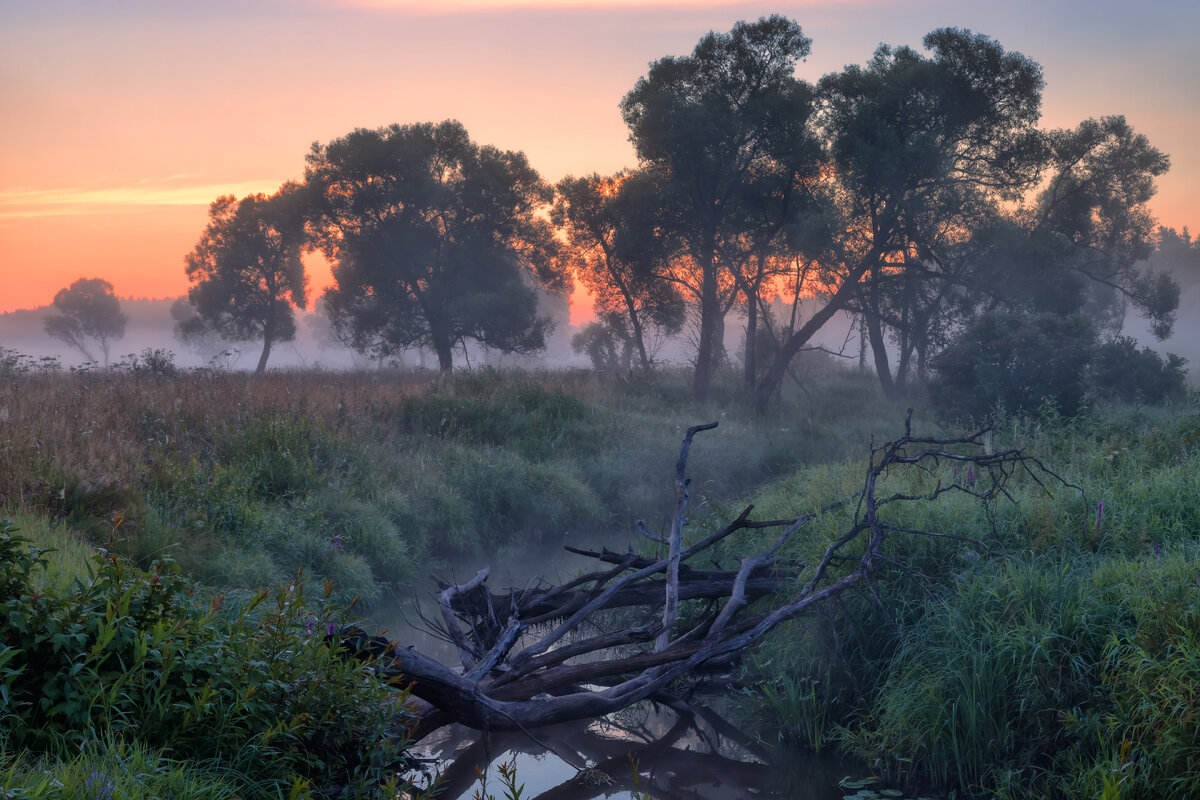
(616, 252)
(246, 271)
(87, 309)
(716, 127)
(923, 148)
(1097, 201)
(435, 240)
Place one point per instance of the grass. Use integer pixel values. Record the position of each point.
(1055, 655)
(1054, 649)
(361, 477)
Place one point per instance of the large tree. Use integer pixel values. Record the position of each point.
(246, 271)
(435, 241)
(924, 148)
(1096, 202)
(87, 309)
(618, 255)
(720, 127)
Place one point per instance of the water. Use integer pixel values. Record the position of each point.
(638, 752)
(646, 750)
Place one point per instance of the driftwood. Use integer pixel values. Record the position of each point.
(611, 638)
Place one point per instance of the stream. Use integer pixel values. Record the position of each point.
(643, 751)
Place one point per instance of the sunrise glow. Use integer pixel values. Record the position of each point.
(124, 122)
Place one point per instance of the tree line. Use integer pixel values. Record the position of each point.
(915, 193)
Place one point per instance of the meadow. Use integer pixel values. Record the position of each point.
(1050, 640)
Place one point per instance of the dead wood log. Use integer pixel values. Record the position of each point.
(548, 654)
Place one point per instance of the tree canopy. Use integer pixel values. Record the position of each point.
(435, 241)
(87, 309)
(725, 128)
(246, 271)
(616, 252)
(914, 194)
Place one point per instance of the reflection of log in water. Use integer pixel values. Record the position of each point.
(665, 755)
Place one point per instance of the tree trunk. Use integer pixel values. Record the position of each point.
(772, 379)
(445, 352)
(879, 353)
(751, 366)
(268, 339)
(706, 351)
(635, 323)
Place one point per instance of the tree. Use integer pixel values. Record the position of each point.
(435, 240)
(729, 120)
(616, 253)
(923, 150)
(246, 271)
(87, 309)
(1097, 201)
(1015, 362)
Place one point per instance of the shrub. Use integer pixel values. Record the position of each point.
(137, 655)
(1122, 372)
(1015, 363)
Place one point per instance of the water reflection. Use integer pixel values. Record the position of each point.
(641, 752)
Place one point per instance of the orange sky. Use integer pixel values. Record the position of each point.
(119, 123)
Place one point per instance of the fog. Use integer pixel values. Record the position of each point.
(151, 325)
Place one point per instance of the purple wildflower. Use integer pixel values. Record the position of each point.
(104, 788)
(970, 476)
(335, 544)
(311, 625)
(329, 630)
(1157, 549)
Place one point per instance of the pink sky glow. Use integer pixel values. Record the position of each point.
(122, 122)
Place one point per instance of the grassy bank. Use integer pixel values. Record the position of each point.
(1049, 646)
(1056, 655)
(359, 477)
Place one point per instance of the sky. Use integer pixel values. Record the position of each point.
(121, 120)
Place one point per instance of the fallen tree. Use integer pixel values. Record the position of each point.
(548, 654)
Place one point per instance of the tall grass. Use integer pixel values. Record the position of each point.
(359, 477)
(1051, 652)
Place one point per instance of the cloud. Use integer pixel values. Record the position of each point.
(17, 203)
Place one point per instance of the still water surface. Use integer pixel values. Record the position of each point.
(638, 752)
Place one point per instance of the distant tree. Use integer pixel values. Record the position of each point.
(435, 240)
(614, 250)
(87, 309)
(246, 273)
(726, 130)
(1097, 200)
(192, 333)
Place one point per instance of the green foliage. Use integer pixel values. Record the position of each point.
(157, 362)
(14, 363)
(1121, 372)
(1055, 655)
(434, 241)
(1015, 363)
(113, 769)
(246, 274)
(138, 656)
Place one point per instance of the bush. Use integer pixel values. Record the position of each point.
(1015, 363)
(1121, 372)
(138, 656)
